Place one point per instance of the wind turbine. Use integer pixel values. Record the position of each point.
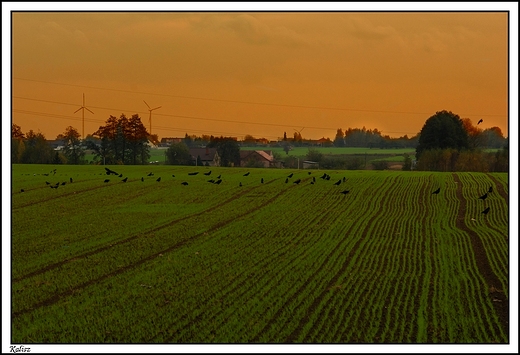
(83, 108)
(151, 109)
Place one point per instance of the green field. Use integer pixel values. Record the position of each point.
(272, 262)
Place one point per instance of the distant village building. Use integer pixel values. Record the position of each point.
(57, 144)
(166, 142)
(260, 158)
(208, 156)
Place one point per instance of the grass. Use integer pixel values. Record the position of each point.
(159, 262)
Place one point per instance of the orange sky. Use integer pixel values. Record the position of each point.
(259, 73)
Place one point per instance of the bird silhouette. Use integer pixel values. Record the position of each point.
(22, 190)
(344, 179)
(297, 181)
(124, 180)
(158, 179)
(110, 171)
(290, 175)
(151, 174)
(309, 173)
(107, 180)
(208, 173)
(344, 192)
(218, 181)
(480, 121)
(195, 173)
(323, 176)
(142, 179)
(211, 180)
(120, 175)
(240, 184)
(246, 174)
(485, 211)
(262, 180)
(63, 183)
(436, 191)
(483, 197)
(338, 182)
(184, 183)
(173, 175)
(490, 189)
(70, 179)
(48, 183)
(313, 179)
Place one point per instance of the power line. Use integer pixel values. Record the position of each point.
(250, 102)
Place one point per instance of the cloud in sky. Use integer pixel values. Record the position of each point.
(394, 62)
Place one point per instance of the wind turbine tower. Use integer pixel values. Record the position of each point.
(83, 108)
(151, 109)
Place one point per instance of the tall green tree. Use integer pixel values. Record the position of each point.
(228, 150)
(17, 143)
(73, 149)
(178, 154)
(37, 149)
(444, 130)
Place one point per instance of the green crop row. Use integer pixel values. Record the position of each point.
(272, 262)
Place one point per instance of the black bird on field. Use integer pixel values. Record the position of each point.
(106, 180)
(290, 175)
(246, 174)
(124, 180)
(208, 173)
(327, 178)
(158, 179)
(313, 179)
(480, 121)
(142, 179)
(57, 184)
(286, 180)
(323, 176)
(262, 180)
(22, 190)
(218, 177)
(151, 174)
(344, 179)
(184, 183)
(70, 179)
(195, 173)
(436, 192)
(490, 189)
(63, 183)
(173, 175)
(344, 192)
(338, 182)
(240, 184)
(212, 181)
(483, 197)
(218, 181)
(485, 211)
(120, 175)
(110, 171)
(297, 181)
(54, 187)
(48, 183)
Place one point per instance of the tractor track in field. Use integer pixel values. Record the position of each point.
(55, 298)
(499, 300)
(129, 239)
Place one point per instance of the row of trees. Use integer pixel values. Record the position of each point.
(120, 141)
(449, 143)
(227, 148)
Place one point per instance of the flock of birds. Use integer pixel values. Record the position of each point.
(218, 180)
(483, 198)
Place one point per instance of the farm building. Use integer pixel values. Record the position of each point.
(208, 156)
(263, 158)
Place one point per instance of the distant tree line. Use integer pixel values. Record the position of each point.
(227, 149)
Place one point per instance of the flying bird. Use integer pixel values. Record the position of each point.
(208, 173)
(124, 180)
(480, 121)
(184, 183)
(436, 191)
(485, 211)
(483, 197)
(246, 174)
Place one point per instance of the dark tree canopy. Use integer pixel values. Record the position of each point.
(228, 150)
(443, 130)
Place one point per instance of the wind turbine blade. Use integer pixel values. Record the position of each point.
(89, 110)
(156, 108)
(146, 104)
(78, 109)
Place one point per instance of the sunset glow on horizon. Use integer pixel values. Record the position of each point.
(259, 73)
